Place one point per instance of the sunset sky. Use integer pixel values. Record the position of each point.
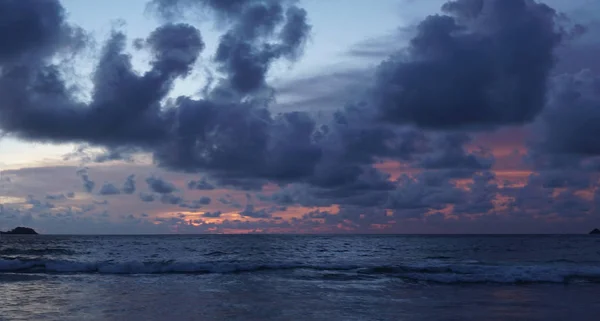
(309, 116)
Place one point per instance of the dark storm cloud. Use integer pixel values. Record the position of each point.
(345, 174)
(563, 178)
(238, 140)
(448, 152)
(481, 196)
(480, 64)
(175, 48)
(42, 30)
(369, 188)
(581, 52)
(158, 185)
(424, 192)
(349, 146)
(552, 193)
(259, 33)
(37, 103)
(569, 126)
(356, 185)
(109, 189)
(348, 218)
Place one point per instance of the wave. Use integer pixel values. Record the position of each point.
(148, 267)
(439, 257)
(39, 252)
(444, 274)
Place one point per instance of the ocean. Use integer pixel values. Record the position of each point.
(290, 277)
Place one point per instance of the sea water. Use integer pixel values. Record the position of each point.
(286, 277)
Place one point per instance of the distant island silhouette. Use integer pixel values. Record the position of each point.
(595, 231)
(21, 231)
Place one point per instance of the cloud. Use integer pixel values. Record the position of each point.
(553, 193)
(427, 191)
(125, 105)
(480, 65)
(109, 189)
(88, 184)
(480, 199)
(129, 186)
(71, 220)
(259, 33)
(230, 133)
(448, 152)
(37, 204)
(212, 214)
(228, 200)
(201, 185)
(190, 205)
(36, 41)
(171, 199)
(56, 197)
(567, 126)
(125, 109)
(378, 48)
(245, 147)
(249, 211)
(323, 92)
(145, 197)
(205, 200)
(160, 186)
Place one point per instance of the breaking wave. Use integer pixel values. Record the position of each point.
(445, 274)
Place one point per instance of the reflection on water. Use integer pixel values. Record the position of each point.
(32, 298)
(268, 297)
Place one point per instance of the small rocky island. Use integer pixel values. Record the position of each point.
(595, 231)
(21, 231)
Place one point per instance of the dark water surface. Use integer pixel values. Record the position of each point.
(273, 277)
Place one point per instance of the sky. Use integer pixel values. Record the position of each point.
(308, 116)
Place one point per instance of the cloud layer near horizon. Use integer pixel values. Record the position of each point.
(405, 150)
